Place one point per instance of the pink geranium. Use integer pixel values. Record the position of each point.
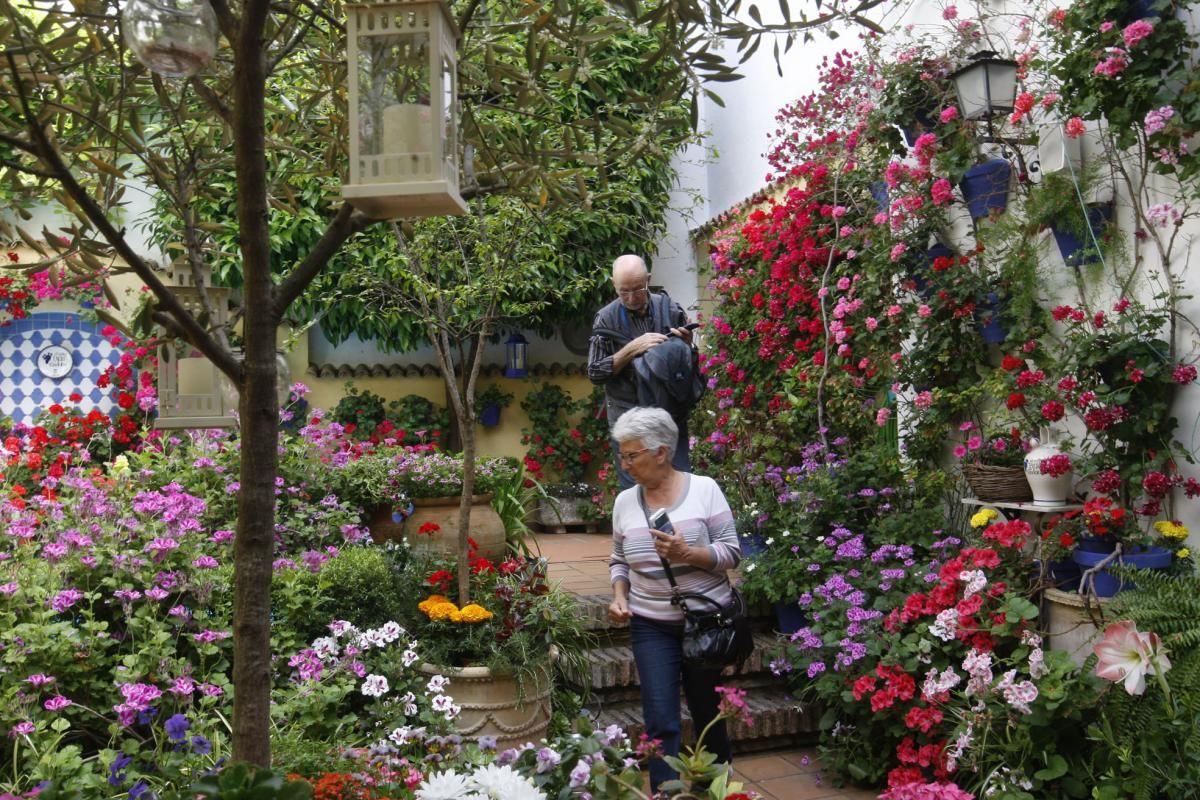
(1136, 31)
(1126, 654)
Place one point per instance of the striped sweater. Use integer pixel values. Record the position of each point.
(703, 517)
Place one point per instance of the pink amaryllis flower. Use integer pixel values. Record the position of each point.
(1129, 655)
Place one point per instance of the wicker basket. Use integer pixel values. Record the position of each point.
(998, 484)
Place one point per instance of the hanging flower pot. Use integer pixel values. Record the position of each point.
(924, 268)
(879, 190)
(490, 416)
(1049, 472)
(985, 186)
(1076, 253)
(988, 316)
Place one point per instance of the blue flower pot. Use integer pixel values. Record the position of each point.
(1063, 575)
(985, 186)
(988, 316)
(921, 274)
(752, 543)
(789, 617)
(879, 190)
(490, 416)
(1106, 584)
(1076, 253)
(1142, 9)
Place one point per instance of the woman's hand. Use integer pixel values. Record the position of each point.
(671, 546)
(618, 609)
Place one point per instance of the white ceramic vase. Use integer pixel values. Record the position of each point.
(1047, 490)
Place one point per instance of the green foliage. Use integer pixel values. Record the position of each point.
(359, 585)
(241, 781)
(565, 435)
(1150, 744)
(410, 420)
(493, 395)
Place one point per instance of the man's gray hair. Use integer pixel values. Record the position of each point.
(653, 427)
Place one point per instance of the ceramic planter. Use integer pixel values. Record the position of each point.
(493, 704)
(490, 416)
(1104, 583)
(1076, 253)
(985, 187)
(1048, 490)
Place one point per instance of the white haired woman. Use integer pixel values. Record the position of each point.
(702, 547)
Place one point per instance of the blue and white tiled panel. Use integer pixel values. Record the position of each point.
(73, 356)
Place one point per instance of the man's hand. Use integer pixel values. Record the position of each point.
(635, 348)
(618, 610)
(683, 333)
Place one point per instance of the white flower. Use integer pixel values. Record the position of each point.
(410, 704)
(326, 647)
(391, 631)
(750, 567)
(340, 627)
(410, 657)
(974, 581)
(448, 785)
(401, 735)
(444, 704)
(437, 684)
(770, 541)
(503, 783)
(786, 534)
(374, 686)
(945, 625)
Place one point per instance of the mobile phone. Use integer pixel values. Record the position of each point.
(660, 521)
(691, 326)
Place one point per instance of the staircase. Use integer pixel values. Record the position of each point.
(613, 694)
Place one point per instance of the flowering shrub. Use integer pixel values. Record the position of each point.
(565, 435)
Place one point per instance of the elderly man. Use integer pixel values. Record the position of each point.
(625, 329)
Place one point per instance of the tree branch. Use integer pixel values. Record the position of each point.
(49, 155)
(227, 21)
(344, 225)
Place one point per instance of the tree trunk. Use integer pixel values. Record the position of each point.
(259, 408)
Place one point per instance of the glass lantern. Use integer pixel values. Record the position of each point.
(403, 72)
(189, 385)
(986, 86)
(175, 38)
(516, 351)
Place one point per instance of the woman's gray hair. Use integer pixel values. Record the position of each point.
(653, 427)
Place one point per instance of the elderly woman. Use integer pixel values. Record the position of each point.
(702, 547)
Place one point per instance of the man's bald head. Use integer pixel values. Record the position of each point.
(631, 279)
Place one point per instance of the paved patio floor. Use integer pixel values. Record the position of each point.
(579, 562)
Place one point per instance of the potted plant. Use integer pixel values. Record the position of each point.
(434, 483)
(1105, 533)
(992, 465)
(491, 400)
(499, 651)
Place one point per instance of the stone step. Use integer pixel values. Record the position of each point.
(778, 720)
(612, 666)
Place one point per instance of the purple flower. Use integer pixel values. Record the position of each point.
(57, 703)
(201, 745)
(65, 599)
(21, 729)
(177, 727)
(39, 679)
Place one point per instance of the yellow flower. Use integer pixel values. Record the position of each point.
(440, 612)
(983, 516)
(475, 613)
(1171, 529)
(430, 602)
(1182, 552)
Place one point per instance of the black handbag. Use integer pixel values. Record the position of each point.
(714, 636)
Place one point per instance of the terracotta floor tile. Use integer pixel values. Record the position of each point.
(758, 768)
(800, 787)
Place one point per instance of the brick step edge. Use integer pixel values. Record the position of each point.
(778, 720)
(613, 665)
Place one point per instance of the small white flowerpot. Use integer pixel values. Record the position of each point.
(1047, 490)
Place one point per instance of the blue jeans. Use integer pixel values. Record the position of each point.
(661, 672)
(681, 460)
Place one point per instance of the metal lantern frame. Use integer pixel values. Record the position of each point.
(516, 356)
(404, 159)
(195, 400)
(986, 86)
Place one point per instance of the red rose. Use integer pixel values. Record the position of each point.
(1009, 363)
(1015, 400)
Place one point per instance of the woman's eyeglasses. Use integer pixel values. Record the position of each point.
(628, 458)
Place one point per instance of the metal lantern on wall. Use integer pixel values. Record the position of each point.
(189, 385)
(403, 72)
(516, 350)
(986, 86)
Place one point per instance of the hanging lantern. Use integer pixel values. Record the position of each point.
(986, 86)
(403, 62)
(516, 349)
(175, 38)
(189, 385)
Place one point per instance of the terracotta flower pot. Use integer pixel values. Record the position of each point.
(493, 704)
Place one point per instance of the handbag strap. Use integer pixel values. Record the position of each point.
(676, 596)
